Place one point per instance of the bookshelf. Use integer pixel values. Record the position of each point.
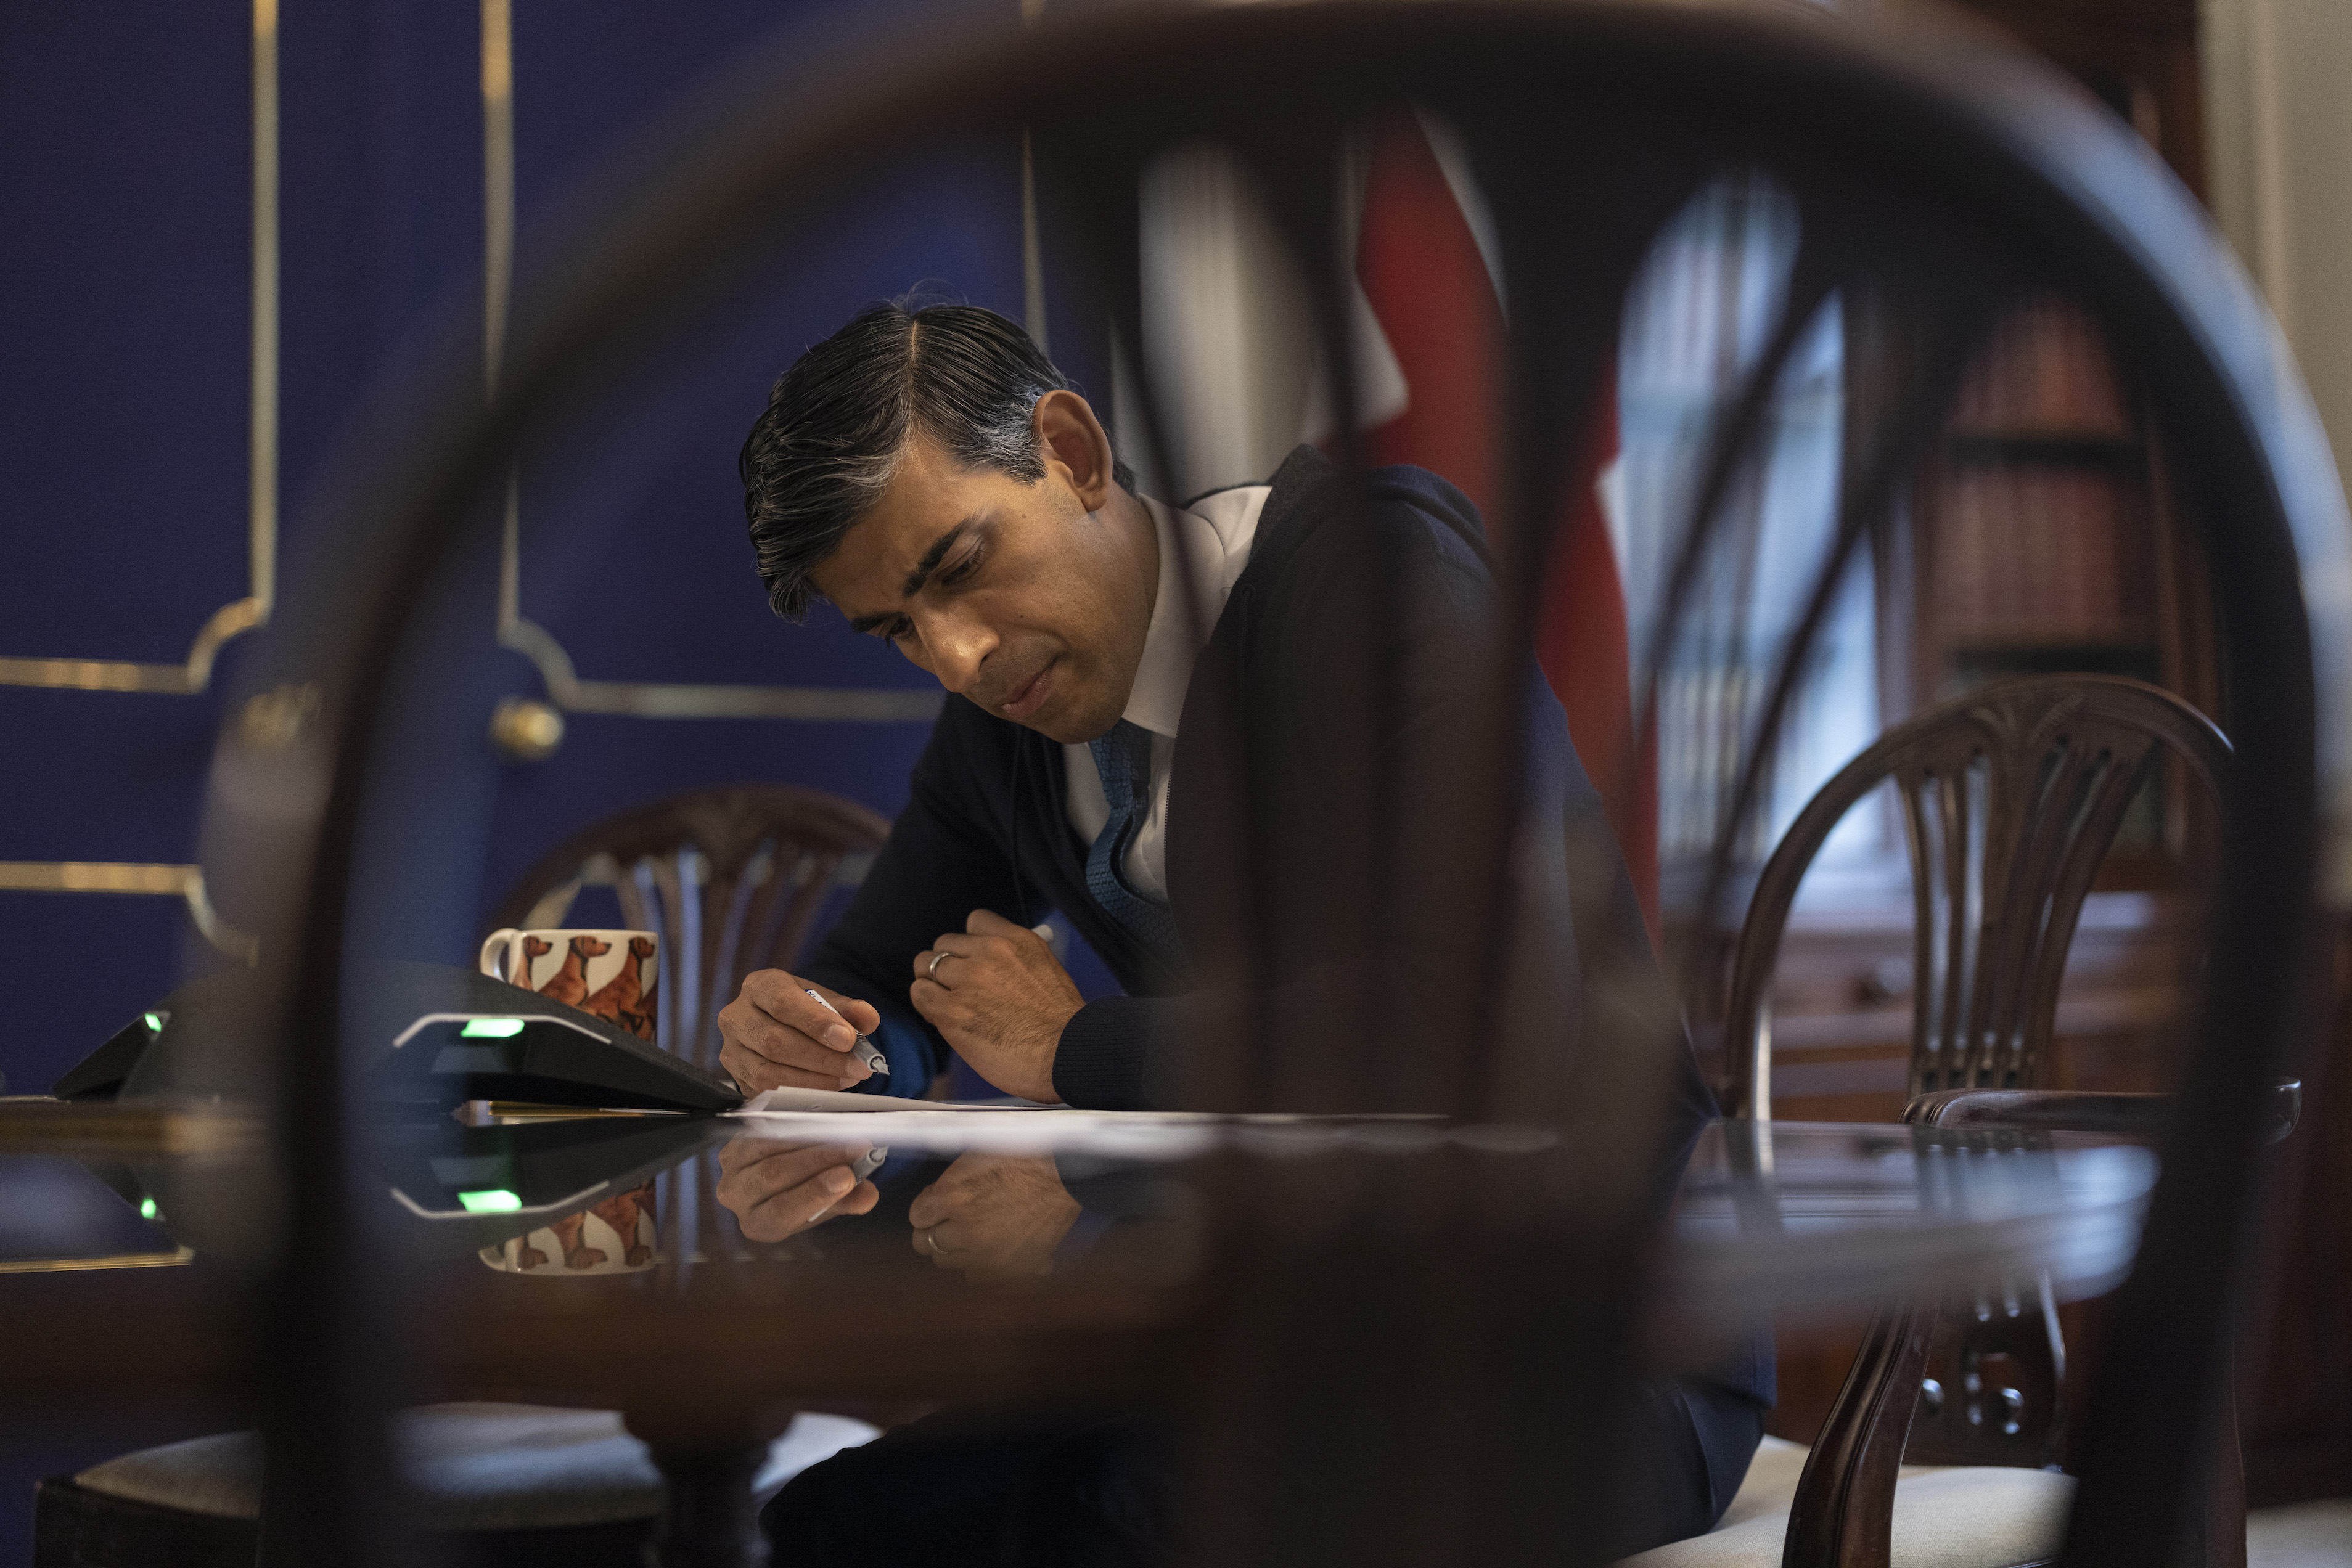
(2037, 512)
(2045, 539)
(2046, 548)
(2041, 535)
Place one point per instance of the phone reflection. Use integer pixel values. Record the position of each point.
(563, 1197)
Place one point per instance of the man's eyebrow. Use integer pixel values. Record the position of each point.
(931, 559)
(862, 624)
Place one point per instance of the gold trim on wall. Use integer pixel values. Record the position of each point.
(498, 180)
(1032, 255)
(635, 699)
(1032, 251)
(647, 699)
(187, 882)
(261, 455)
(120, 676)
(183, 882)
(261, 485)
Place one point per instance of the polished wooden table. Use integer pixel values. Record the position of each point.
(591, 1260)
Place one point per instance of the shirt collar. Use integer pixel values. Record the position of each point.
(1215, 540)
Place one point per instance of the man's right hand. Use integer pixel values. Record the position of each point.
(777, 1189)
(776, 1036)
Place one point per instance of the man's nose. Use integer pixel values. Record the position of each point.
(961, 647)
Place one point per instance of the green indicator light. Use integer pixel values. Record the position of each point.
(146, 1209)
(496, 1200)
(156, 1023)
(492, 1028)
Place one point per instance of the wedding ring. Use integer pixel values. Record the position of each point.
(937, 960)
(932, 1236)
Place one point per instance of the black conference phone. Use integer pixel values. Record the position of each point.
(431, 1035)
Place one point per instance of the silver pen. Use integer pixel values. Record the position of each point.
(864, 1049)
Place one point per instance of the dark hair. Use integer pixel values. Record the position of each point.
(837, 422)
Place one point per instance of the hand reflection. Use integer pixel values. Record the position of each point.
(778, 1190)
(997, 1216)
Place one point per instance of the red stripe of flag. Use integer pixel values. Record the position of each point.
(1429, 288)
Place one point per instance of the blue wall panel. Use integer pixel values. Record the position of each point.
(125, 254)
(125, 276)
(124, 203)
(381, 170)
(124, 247)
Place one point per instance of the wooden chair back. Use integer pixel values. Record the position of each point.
(731, 879)
(2011, 796)
(1924, 169)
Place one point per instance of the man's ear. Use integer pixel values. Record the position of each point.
(1074, 439)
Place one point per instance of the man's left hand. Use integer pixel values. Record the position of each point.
(994, 1217)
(1001, 998)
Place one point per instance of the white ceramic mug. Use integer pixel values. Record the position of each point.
(612, 974)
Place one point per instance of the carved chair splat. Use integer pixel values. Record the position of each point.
(2011, 796)
(731, 879)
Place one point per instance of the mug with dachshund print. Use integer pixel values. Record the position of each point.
(618, 1236)
(612, 974)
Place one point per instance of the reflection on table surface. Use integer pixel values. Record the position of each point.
(1829, 1219)
(1767, 1217)
(61, 1215)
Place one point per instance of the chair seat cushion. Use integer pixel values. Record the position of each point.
(469, 1468)
(1961, 1516)
(74, 1526)
(2301, 1535)
(1770, 1483)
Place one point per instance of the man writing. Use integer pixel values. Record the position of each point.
(1295, 666)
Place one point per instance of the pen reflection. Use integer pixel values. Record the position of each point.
(777, 1189)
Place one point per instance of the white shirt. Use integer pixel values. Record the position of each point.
(1215, 539)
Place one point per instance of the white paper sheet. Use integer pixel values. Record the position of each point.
(933, 1128)
(1023, 1126)
(835, 1101)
